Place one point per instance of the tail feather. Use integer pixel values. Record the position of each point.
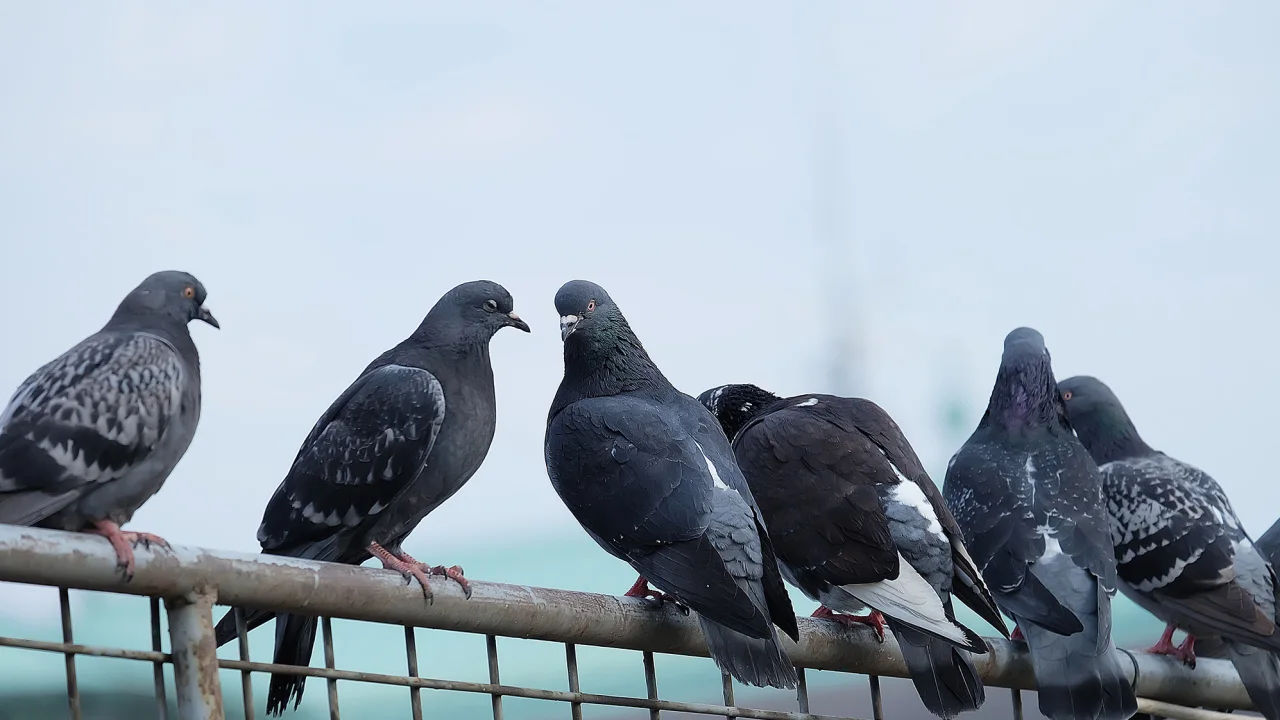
(943, 674)
(1074, 681)
(225, 631)
(1260, 673)
(295, 638)
(754, 661)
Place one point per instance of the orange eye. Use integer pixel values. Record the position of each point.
(188, 292)
(591, 305)
(1066, 395)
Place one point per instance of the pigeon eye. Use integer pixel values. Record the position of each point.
(591, 305)
(490, 305)
(1066, 395)
(188, 292)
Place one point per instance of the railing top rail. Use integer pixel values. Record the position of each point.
(81, 561)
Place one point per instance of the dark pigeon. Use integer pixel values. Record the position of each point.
(1269, 544)
(92, 435)
(402, 439)
(1029, 500)
(857, 523)
(1180, 550)
(650, 476)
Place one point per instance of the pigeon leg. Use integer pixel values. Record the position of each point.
(641, 589)
(453, 573)
(874, 619)
(410, 571)
(123, 543)
(1016, 635)
(1186, 652)
(1165, 645)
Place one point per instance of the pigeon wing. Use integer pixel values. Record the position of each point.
(365, 450)
(87, 417)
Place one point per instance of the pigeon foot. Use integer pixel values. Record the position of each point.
(1016, 635)
(454, 573)
(410, 570)
(642, 590)
(1186, 652)
(875, 619)
(124, 541)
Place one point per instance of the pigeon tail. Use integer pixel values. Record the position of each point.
(1260, 673)
(759, 662)
(225, 631)
(295, 638)
(944, 676)
(1074, 680)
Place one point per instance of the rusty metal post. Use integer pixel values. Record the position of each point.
(195, 657)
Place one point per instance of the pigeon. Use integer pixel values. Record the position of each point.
(1028, 499)
(649, 474)
(1181, 552)
(92, 435)
(856, 523)
(402, 439)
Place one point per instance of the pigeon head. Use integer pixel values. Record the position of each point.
(470, 313)
(585, 305)
(170, 295)
(1100, 421)
(1025, 394)
(735, 405)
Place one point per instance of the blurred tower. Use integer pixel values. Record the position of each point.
(843, 331)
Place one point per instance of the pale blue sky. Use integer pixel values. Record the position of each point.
(1105, 172)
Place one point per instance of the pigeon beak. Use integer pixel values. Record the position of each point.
(567, 325)
(516, 322)
(208, 317)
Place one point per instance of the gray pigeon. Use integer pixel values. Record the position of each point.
(402, 439)
(1180, 550)
(1028, 499)
(650, 475)
(857, 523)
(92, 435)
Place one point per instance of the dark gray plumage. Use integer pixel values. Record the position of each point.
(1029, 501)
(649, 474)
(92, 435)
(1180, 550)
(857, 523)
(1269, 544)
(402, 439)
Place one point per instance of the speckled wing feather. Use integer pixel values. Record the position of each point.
(87, 417)
(365, 450)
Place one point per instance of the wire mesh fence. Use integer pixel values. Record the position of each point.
(551, 641)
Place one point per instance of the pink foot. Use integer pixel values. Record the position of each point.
(454, 573)
(874, 619)
(123, 543)
(1016, 635)
(1186, 652)
(642, 590)
(410, 571)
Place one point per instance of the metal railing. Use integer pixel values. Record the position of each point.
(190, 581)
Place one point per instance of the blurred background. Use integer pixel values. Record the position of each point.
(849, 197)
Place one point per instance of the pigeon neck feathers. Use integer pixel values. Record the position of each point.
(737, 405)
(605, 360)
(1025, 396)
(1101, 422)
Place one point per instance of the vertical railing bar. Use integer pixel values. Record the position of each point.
(162, 703)
(726, 684)
(73, 688)
(327, 625)
(802, 690)
(411, 653)
(877, 702)
(246, 676)
(1017, 703)
(651, 682)
(571, 665)
(491, 647)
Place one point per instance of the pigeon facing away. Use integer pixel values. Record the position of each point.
(650, 476)
(402, 439)
(1180, 550)
(857, 522)
(1029, 500)
(92, 435)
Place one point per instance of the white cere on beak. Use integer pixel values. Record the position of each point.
(567, 323)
